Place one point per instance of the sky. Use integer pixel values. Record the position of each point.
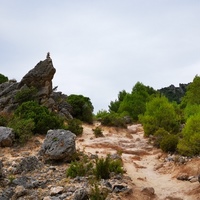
(101, 47)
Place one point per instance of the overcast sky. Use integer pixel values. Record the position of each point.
(101, 47)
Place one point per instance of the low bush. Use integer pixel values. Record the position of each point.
(80, 167)
(75, 126)
(23, 129)
(104, 167)
(5, 118)
(169, 143)
(97, 194)
(98, 132)
(43, 119)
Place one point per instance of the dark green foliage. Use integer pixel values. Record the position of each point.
(193, 92)
(75, 126)
(169, 143)
(174, 93)
(105, 166)
(26, 94)
(98, 132)
(82, 107)
(81, 167)
(114, 105)
(132, 104)
(23, 129)
(159, 135)
(160, 114)
(41, 116)
(3, 78)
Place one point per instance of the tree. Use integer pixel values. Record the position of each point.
(135, 103)
(190, 143)
(82, 107)
(160, 113)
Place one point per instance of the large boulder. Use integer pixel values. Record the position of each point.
(7, 136)
(40, 77)
(58, 145)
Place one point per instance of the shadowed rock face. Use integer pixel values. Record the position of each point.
(40, 77)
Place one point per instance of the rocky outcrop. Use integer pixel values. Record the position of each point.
(174, 93)
(40, 78)
(58, 145)
(7, 136)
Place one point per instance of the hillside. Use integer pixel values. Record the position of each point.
(149, 173)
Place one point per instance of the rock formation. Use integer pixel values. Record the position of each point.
(58, 145)
(40, 78)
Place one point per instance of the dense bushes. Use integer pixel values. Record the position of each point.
(43, 119)
(82, 107)
(190, 143)
(169, 143)
(101, 168)
(75, 126)
(111, 119)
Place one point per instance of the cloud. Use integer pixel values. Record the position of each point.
(102, 47)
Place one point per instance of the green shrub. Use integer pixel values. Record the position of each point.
(41, 116)
(23, 129)
(97, 194)
(113, 119)
(105, 166)
(169, 143)
(81, 167)
(159, 135)
(82, 107)
(160, 113)
(3, 78)
(98, 132)
(26, 94)
(190, 143)
(75, 126)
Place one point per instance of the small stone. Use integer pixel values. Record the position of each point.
(56, 190)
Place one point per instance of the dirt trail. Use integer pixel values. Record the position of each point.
(143, 163)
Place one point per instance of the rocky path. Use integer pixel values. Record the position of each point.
(146, 165)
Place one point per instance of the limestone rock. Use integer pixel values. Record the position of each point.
(58, 145)
(81, 194)
(148, 190)
(7, 136)
(56, 190)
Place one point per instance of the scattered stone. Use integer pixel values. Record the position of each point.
(148, 190)
(7, 136)
(27, 164)
(58, 145)
(56, 190)
(193, 179)
(1, 169)
(18, 192)
(119, 188)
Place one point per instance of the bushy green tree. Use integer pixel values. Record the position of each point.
(82, 107)
(193, 92)
(3, 78)
(134, 104)
(169, 143)
(114, 105)
(190, 143)
(42, 117)
(160, 113)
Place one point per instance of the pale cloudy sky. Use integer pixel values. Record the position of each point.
(100, 47)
